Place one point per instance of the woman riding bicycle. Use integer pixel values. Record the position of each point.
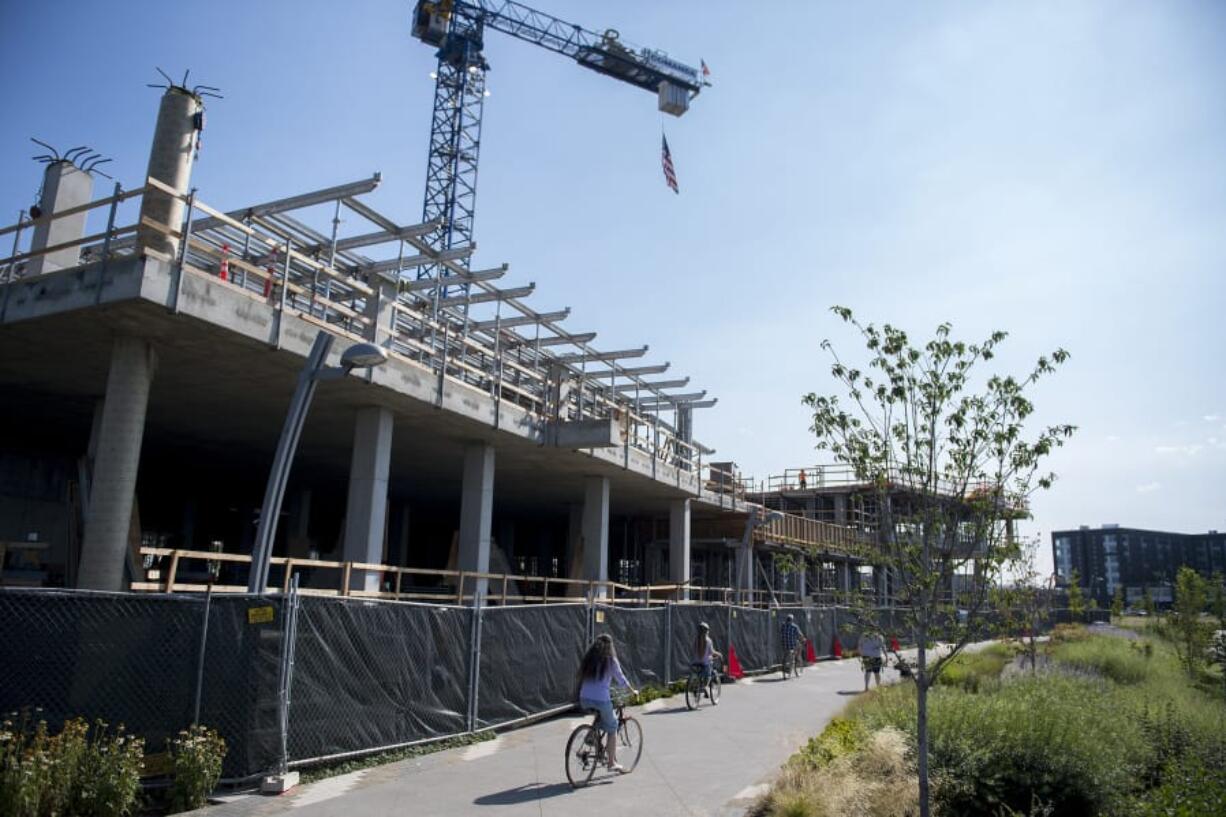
(597, 671)
(704, 651)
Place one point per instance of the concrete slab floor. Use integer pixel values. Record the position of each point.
(712, 761)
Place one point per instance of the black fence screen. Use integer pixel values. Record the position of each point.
(683, 637)
(529, 658)
(365, 675)
(641, 639)
(369, 673)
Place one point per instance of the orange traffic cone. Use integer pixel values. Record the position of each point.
(810, 655)
(838, 648)
(734, 665)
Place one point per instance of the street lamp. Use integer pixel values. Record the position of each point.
(358, 356)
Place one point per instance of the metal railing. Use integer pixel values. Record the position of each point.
(280, 262)
(820, 477)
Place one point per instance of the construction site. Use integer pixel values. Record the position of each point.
(264, 465)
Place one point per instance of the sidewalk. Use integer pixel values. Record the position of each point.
(713, 761)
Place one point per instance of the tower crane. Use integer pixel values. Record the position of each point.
(457, 28)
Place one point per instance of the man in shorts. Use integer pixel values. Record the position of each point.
(872, 653)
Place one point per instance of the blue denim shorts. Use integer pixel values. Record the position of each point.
(608, 721)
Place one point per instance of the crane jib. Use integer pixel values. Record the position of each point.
(457, 28)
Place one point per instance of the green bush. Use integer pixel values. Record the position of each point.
(196, 755)
(970, 670)
(72, 772)
(1188, 789)
(842, 736)
(1113, 658)
(1041, 739)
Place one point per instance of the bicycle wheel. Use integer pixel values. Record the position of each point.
(629, 744)
(693, 692)
(582, 754)
(713, 689)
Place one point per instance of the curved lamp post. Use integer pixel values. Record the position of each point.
(358, 356)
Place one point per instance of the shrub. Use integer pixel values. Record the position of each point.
(969, 670)
(1034, 737)
(1188, 789)
(842, 736)
(1112, 658)
(875, 780)
(1062, 633)
(68, 773)
(196, 755)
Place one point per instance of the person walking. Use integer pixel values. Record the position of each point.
(872, 652)
(792, 638)
(597, 671)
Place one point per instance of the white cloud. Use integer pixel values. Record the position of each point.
(1112, 438)
(1212, 418)
(1148, 488)
(1186, 450)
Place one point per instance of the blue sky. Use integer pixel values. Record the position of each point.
(1053, 169)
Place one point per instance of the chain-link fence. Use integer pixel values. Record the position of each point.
(298, 679)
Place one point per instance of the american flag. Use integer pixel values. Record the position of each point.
(670, 175)
(706, 72)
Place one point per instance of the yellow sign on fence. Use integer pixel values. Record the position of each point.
(259, 615)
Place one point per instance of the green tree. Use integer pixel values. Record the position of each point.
(1117, 604)
(1217, 598)
(1076, 598)
(946, 454)
(1147, 602)
(1190, 633)
(1025, 605)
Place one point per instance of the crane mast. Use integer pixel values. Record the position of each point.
(457, 28)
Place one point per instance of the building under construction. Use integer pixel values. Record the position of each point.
(148, 365)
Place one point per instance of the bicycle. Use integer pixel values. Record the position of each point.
(793, 663)
(585, 750)
(696, 688)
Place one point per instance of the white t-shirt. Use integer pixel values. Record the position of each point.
(871, 646)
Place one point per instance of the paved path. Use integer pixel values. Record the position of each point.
(713, 761)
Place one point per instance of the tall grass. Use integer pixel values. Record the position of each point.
(1122, 735)
(970, 670)
(1113, 658)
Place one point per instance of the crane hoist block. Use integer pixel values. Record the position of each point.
(673, 98)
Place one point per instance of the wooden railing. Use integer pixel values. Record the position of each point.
(448, 586)
(812, 535)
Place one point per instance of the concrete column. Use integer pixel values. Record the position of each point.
(840, 509)
(170, 162)
(745, 578)
(476, 511)
(366, 511)
(107, 522)
(379, 308)
(801, 580)
(844, 577)
(679, 543)
(574, 549)
(595, 528)
(64, 187)
(298, 542)
(402, 536)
